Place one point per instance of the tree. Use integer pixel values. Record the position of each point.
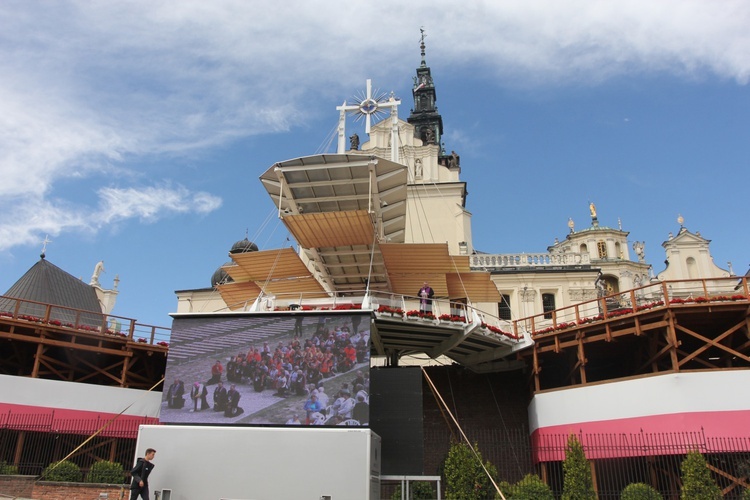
(697, 483)
(531, 487)
(7, 469)
(63, 470)
(640, 491)
(106, 472)
(577, 483)
(465, 478)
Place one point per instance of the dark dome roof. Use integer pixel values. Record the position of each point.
(220, 276)
(243, 246)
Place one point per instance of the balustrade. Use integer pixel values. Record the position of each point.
(491, 261)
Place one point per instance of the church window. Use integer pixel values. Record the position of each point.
(601, 246)
(548, 304)
(503, 308)
(584, 248)
(692, 268)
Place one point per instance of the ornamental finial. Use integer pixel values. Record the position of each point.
(422, 45)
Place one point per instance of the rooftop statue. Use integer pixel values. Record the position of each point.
(98, 270)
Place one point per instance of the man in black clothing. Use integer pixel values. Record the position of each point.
(233, 399)
(220, 398)
(140, 473)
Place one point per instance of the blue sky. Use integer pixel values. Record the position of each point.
(135, 132)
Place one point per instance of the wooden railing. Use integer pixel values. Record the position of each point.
(85, 321)
(652, 296)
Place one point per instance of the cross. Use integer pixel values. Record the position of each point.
(368, 106)
(44, 246)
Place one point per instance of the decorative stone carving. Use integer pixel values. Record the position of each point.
(581, 294)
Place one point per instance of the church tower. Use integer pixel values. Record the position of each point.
(428, 124)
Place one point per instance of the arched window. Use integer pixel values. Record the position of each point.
(601, 246)
(692, 268)
(584, 248)
(548, 304)
(618, 250)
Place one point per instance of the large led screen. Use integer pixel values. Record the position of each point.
(306, 368)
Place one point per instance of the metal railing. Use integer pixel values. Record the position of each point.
(651, 458)
(31, 442)
(407, 306)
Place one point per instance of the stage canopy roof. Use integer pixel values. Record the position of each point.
(348, 214)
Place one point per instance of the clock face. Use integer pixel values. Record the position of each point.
(368, 106)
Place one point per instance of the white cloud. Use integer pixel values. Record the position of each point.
(26, 221)
(91, 88)
(149, 203)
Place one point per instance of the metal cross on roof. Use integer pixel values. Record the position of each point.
(367, 106)
(44, 245)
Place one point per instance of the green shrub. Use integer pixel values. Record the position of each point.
(106, 472)
(64, 470)
(418, 490)
(746, 494)
(577, 483)
(8, 469)
(465, 478)
(531, 487)
(640, 491)
(697, 483)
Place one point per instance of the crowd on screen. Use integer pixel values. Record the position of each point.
(296, 367)
(349, 406)
(299, 365)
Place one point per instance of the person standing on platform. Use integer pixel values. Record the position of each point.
(425, 298)
(140, 473)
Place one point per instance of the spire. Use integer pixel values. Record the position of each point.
(428, 124)
(422, 46)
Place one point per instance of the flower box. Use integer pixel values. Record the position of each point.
(393, 311)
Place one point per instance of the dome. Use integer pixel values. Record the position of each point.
(220, 276)
(243, 246)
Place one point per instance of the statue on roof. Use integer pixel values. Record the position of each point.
(429, 136)
(454, 160)
(639, 248)
(592, 209)
(98, 270)
(354, 142)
